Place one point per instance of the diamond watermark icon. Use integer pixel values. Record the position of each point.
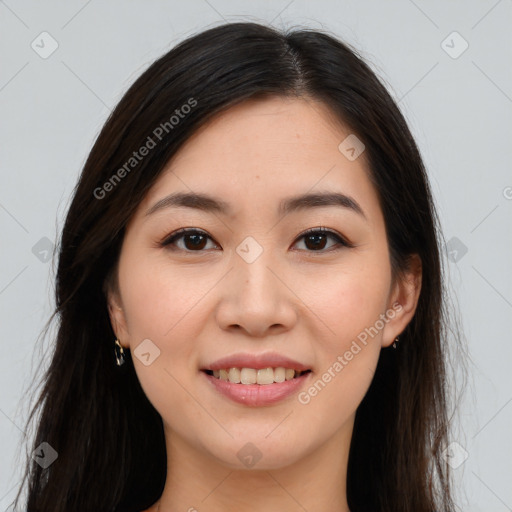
(454, 45)
(249, 250)
(455, 249)
(44, 45)
(146, 352)
(43, 249)
(351, 147)
(44, 455)
(249, 455)
(454, 455)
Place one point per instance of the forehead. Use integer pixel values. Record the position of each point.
(277, 129)
(263, 150)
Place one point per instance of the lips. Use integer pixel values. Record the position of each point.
(256, 380)
(256, 395)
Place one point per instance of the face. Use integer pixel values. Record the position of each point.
(259, 280)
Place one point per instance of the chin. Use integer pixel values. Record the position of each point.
(256, 453)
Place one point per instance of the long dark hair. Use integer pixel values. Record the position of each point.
(109, 438)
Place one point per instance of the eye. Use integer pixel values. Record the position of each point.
(194, 240)
(315, 239)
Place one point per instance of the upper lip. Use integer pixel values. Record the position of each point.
(256, 361)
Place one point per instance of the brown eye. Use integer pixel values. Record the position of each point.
(315, 240)
(192, 240)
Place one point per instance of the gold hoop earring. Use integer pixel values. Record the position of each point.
(119, 353)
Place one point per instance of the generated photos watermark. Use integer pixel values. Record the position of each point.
(150, 143)
(304, 397)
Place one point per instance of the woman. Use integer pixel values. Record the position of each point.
(249, 294)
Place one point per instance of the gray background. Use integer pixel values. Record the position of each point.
(458, 105)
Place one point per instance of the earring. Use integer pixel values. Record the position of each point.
(119, 353)
(395, 342)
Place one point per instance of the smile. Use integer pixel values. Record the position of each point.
(263, 376)
(251, 393)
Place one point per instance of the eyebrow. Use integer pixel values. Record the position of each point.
(208, 203)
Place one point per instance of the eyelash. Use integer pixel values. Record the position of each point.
(173, 237)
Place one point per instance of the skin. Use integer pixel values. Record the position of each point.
(305, 304)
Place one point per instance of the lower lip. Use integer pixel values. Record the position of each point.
(258, 395)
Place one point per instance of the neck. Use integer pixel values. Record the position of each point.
(317, 481)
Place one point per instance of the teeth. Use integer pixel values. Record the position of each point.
(248, 376)
(265, 376)
(252, 376)
(279, 374)
(234, 375)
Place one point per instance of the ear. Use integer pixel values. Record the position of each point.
(117, 318)
(403, 300)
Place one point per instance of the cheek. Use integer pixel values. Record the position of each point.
(349, 303)
(348, 353)
(158, 298)
(163, 307)
(348, 300)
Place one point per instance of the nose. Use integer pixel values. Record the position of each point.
(256, 299)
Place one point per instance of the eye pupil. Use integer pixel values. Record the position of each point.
(197, 243)
(318, 241)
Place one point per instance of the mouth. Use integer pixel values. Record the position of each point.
(252, 376)
(256, 387)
